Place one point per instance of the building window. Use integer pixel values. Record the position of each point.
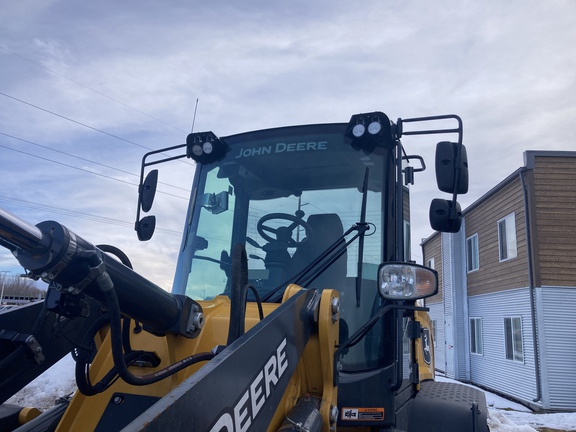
(472, 261)
(430, 263)
(507, 237)
(476, 336)
(513, 339)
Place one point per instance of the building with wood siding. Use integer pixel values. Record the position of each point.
(505, 315)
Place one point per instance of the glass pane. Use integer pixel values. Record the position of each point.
(502, 239)
(473, 335)
(518, 349)
(508, 338)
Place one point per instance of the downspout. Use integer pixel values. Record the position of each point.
(532, 289)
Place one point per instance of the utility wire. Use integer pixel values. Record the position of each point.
(85, 159)
(91, 89)
(85, 125)
(85, 170)
(76, 214)
(75, 121)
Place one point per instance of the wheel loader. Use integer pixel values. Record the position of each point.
(295, 304)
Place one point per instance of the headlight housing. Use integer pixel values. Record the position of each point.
(405, 281)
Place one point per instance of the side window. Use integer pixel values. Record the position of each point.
(513, 339)
(430, 263)
(476, 346)
(507, 237)
(472, 259)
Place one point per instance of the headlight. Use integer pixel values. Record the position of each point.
(403, 281)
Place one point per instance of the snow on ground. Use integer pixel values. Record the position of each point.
(44, 391)
(504, 415)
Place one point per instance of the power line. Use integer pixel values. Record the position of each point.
(85, 170)
(75, 121)
(91, 89)
(85, 159)
(76, 214)
(83, 124)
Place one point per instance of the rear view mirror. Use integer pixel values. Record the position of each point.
(215, 203)
(148, 190)
(445, 218)
(451, 167)
(145, 228)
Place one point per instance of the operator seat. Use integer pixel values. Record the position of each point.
(326, 229)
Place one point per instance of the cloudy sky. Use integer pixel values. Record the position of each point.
(86, 88)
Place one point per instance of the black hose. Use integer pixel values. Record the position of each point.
(106, 285)
(258, 301)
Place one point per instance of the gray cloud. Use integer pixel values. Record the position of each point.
(505, 67)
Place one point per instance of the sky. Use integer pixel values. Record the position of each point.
(503, 415)
(86, 88)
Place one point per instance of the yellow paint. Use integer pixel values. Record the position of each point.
(313, 374)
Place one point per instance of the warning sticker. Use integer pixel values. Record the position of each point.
(362, 414)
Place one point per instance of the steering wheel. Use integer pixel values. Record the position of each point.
(283, 233)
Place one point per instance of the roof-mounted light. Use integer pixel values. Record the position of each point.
(205, 147)
(374, 128)
(358, 130)
(378, 133)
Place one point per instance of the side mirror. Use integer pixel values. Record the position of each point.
(148, 190)
(451, 167)
(145, 228)
(445, 218)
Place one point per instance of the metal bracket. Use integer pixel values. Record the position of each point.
(24, 339)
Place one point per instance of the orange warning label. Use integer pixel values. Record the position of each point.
(362, 414)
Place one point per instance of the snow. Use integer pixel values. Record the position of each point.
(504, 415)
(44, 391)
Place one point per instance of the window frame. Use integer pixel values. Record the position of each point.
(510, 344)
(469, 243)
(430, 263)
(507, 243)
(476, 337)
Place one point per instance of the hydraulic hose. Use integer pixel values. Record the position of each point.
(107, 287)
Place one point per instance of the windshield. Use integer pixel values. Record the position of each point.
(289, 194)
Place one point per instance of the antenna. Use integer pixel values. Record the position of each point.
(194, 119)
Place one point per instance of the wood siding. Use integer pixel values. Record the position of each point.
(555, 220)
(493, 275)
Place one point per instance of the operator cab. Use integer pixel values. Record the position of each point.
(291, 194)
(324, 207)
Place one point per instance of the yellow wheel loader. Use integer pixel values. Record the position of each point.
(295, 305)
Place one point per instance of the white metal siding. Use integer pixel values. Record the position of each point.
(455, 305)
(449, 356)
(460, 305)
(447, 273)
(437, 313)
(492, 369)
(558, 345)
